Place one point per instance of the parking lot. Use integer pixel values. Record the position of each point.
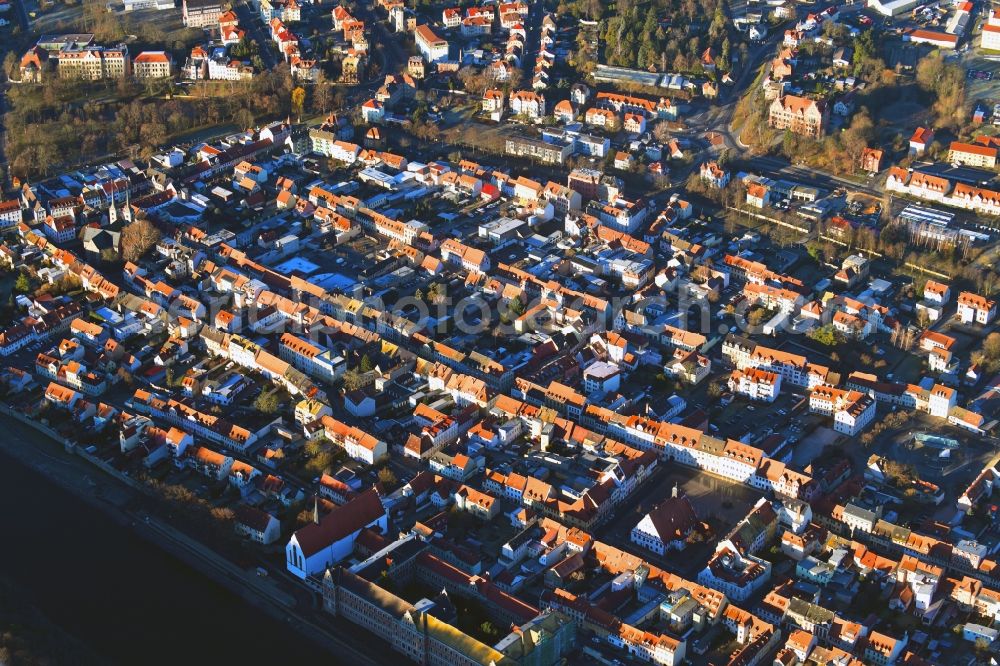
(981, 73)
(742, 419)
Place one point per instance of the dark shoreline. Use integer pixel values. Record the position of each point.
(30, 637)
(150, 592)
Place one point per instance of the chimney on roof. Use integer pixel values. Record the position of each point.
(673, 492)
(316, 509)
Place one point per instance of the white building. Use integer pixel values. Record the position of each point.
(330, 539)
(257, 525)
(527, 103)
(221, 68)
(10, 213)
(975, 308)
(373, 111)
(344, 151)
(736, 575)
(357, 444)
(991, 32)
(936, 292)
(601, 377)
(852, 411)
(893, 7)
(973, 632)
(666, 527)
(152, 65)
(940, 400)
(712, 174)
(432, 47)
(793, 368)
(313, 360)
(756, 384)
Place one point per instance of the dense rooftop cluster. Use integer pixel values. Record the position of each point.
(599, 390)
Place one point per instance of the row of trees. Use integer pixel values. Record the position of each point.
(208, 520)
(476, 81)
(826, 335)
(891, 421)
(896, 242)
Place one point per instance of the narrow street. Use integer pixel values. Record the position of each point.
(532, 43)
(390, 46)
(719, 117)
(252, 23)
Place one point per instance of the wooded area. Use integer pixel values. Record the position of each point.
(61, 123)
(936, 85)
(667, 36)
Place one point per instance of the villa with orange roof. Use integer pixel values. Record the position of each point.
(852, 411)
(432, 47)
(975, 308)
(972, 154)
(493, 103)
(921, 139)
(799, 115)
(712, 174)
(936, 292)
(756, 384)
(152, 65)
(758, 195)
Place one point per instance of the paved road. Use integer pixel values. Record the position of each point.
(386, 44)
(777, 167)
(251, 22)
(532, 43)
(719, 117)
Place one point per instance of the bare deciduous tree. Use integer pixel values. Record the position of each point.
(137, 238)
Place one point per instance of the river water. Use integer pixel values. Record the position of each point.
(121, 596)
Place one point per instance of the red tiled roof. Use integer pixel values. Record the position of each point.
(340, 523)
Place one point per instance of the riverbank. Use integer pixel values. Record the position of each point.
(116, 504)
